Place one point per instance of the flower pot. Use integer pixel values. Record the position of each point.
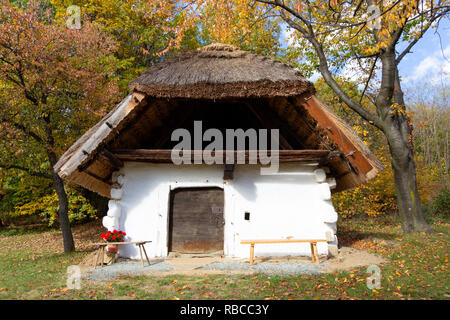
(113, 248)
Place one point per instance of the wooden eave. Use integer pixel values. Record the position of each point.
(100, 151)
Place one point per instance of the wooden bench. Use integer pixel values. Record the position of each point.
(313, 244)
(102, 245)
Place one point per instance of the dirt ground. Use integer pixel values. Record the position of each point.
(86, 235)
(349, 258)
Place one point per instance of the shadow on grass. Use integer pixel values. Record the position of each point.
(25, 230)
(366, 228)
(349, 237)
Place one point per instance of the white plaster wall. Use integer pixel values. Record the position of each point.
(280, 206)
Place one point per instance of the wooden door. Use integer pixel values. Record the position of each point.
(196, 220)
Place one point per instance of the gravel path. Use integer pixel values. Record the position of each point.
(349, 258)
(131, 267)
(285, 268)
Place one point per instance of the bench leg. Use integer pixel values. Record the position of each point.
(140, 253)
(145, 252)
(97, 256)
(312, 252)
(252, 252)
(316, 254)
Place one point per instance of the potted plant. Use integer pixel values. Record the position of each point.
(115, 236)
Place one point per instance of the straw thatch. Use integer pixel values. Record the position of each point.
(221, 71)
(217, 77)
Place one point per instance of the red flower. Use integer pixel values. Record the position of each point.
(114, 236)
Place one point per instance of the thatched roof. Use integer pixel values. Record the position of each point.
(221, 71)
(217, 77)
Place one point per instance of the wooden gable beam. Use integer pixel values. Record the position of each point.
(90, 182)
(348, 148)
(103, 134)
(165, 156)
(116, 162)
(93, 175)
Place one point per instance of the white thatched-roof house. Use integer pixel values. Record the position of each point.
(206, 207)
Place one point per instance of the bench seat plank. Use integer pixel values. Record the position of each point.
(280, 241)
(312, 242)
(119, 243)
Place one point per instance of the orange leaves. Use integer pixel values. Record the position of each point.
(241, 23)
(49, 73)
(397, 109)
(334, 2)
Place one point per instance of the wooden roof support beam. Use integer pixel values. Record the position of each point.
(93, 175)
(165, 156)
(332, 155)
(91, 183)
(266, 124)
(271, 119)
(348, 147)
(85, 149)
(175, 122)
(116, 162)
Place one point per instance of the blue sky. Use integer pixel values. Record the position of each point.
(427, 62)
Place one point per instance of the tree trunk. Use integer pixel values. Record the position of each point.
(58, 184)
(63, 210)
(408, 200)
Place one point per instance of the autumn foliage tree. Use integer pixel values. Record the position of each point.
(54, 83)
(144, 30)
(374, 36)
(431, 115)
(252, 27)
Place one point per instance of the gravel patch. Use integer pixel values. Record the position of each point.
(135, 268)
(285, 268)
(125, 268)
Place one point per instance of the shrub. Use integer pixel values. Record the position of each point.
(440, 205)
(374, 198)
(80, 209)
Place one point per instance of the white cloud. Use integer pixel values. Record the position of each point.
(287, 36)
(315, 75)
(435, 67)
(351, 71)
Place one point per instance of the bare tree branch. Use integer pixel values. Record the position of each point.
(281, 4)
(368, 79)
(413, 43)
(328, 77)
(23, 129)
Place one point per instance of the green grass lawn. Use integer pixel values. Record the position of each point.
(32, 266)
